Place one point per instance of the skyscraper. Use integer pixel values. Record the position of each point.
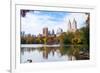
(72, 26)
(45, 31)
(22, 33)
(53, 32)
(69, 25)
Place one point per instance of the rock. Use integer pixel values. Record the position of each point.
(29, 60)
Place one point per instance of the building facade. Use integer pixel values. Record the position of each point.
(72, 26)
(45, 31)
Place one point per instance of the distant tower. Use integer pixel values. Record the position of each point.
(23, 33)
(45, 31)
(69, 26)
(72, 27)
(49, 33)
(53, 32)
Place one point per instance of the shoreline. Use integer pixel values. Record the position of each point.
(46, 45)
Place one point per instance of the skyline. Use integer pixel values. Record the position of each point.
(34, 21)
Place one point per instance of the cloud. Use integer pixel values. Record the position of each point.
(35, 21)
(79, 17)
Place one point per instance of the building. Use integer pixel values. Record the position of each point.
(45, 31)
(59, 31)
(53, 32)
(69, 25)
(72, 27)
(22, 34)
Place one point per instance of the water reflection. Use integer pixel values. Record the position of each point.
(47, 54)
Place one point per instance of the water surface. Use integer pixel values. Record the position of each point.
(47, 53)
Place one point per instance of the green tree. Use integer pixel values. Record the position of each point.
(45, 40)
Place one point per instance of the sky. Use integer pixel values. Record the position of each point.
(34, 21)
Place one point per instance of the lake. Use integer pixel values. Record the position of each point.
(53, 53)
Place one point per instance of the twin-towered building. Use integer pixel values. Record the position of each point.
(45, 31)
(72, 26)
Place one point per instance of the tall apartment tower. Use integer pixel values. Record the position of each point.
(45, 31)
(72, 27)
(69, 25)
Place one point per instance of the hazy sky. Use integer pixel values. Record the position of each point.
(34, 21)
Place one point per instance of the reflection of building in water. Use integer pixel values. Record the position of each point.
(45, 31)
(45, 53)
(70, 57)
(58, 52)
(72, 27)
(53, 52)
(49, 50)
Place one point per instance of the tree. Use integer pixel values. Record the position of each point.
(45, 40)
(68, 38)
(85, 35)
(77, 38)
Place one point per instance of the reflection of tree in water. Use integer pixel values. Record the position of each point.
(27, 49)
(73, 52)
(81, 52)
(78, 52)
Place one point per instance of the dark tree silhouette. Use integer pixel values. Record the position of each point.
(23, 12)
